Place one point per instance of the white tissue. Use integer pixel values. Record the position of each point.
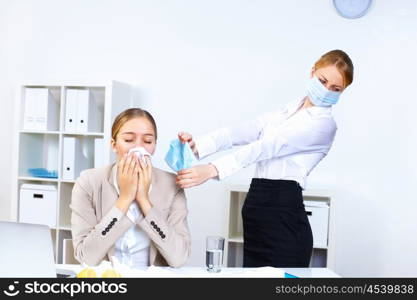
(140, 152)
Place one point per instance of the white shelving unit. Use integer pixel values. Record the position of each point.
(44, 149)
(320, 207)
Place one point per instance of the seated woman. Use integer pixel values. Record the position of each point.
(130, 210)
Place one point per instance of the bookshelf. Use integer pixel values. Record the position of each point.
(43, 148)
(320, 208)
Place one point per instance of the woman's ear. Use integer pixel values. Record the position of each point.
(113, 145)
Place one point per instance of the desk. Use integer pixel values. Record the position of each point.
(200, 272)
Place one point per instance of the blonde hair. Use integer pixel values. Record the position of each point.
(130, 114)
(341, 61)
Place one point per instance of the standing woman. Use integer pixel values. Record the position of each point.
(285, 145)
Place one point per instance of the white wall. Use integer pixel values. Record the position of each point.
(199, 65)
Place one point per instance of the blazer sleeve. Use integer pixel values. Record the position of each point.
(92, 239)
(170, 234)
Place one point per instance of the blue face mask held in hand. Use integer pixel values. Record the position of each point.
(180, 156)
(319, 94)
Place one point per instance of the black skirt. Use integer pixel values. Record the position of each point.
(276, 230)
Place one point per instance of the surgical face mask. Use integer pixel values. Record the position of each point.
(319, 94)
(140, 153)
(179, 156)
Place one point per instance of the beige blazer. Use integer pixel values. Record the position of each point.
(96, 223)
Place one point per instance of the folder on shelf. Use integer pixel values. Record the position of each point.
(71, 98)
(73, 160)
(29, 117)
(68, 252)
(81, 112)
(85, 108)
(41, 110)
(318, 217)
(98, 152)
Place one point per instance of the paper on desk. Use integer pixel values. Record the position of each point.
(152, 271)
(159, 272)
(187, 272)
(264, 272)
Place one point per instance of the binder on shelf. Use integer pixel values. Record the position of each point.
(73, 160)
(318, 217)
(85, 112)
(38, 204)
(30, 97)
(68, 252)
(81, 112)
(41, 110)
(98, 152)
(71, 98)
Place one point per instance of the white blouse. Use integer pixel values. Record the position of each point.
(286, 144)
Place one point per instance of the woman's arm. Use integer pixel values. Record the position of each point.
(92, 239)
(227, 137)
(307, 137)
(170, 234)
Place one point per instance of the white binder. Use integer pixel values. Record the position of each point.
(318, 216)
(81, 113)
(71, 99)
(30, 106)
(68, 158)
(74, 159)
(68, 252)
(85, 109)
(41, 110)
(98, 152)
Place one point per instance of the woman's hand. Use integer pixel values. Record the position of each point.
(127, 179)
(196, 175)
(144, 184)
(185, 137)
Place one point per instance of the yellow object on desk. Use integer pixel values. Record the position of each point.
(104, 270)
(87, 273)
(91, 273)
(111, 273)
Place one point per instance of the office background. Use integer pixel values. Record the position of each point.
(199, 65)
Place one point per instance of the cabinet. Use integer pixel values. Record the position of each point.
(40, 146)
(320, 207)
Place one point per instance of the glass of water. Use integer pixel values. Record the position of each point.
(214, 253)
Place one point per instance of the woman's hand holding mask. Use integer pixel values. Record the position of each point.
(196, 175)
(185, 137)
